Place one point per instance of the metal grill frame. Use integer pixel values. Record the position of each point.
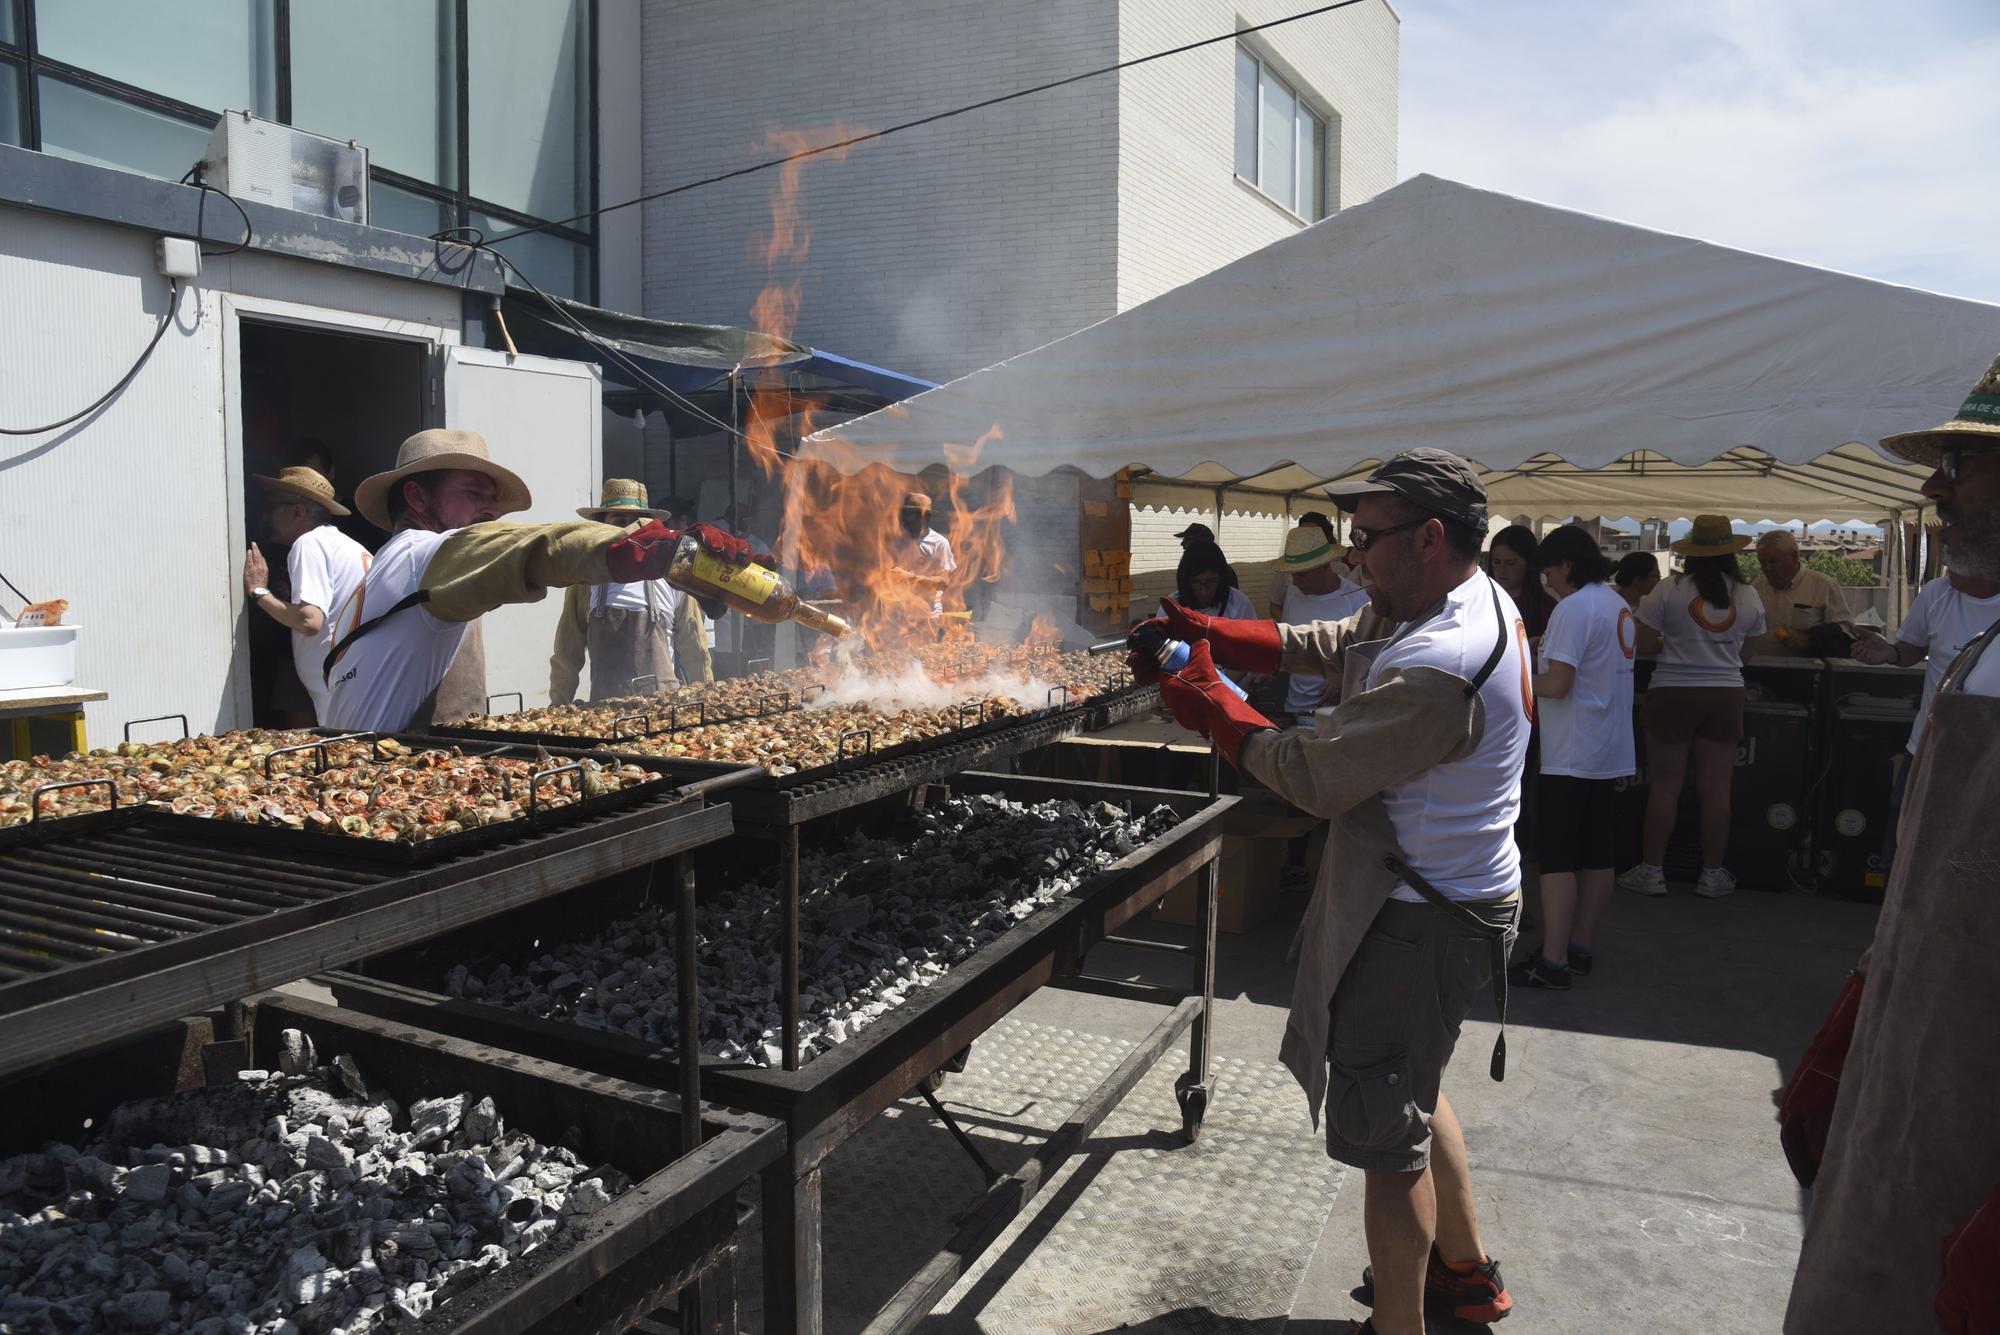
(836, 1094)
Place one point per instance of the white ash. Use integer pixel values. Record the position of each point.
(879, 919)
(284, 1204)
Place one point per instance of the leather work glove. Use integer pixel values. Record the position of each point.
(736, 551)
(1202, 703)
(1143, 649)
(645, 551)
(1247, 646)
(1805, 1110)
(1968, 1298)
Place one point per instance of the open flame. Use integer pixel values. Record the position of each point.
(841, 523)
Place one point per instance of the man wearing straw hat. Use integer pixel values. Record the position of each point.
(1890, 1116)
(923, 555)
(405, 650)
(636, 634)
(325, 566)
(1319, 590)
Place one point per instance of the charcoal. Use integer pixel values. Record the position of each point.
(295, 1053)
(881, 919)
(281, 1205)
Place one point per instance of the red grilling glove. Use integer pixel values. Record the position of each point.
(1203, 703)
(1805, 1110)
(736, 551)
(1247, 646)
(643, 553)
(1968, 1298)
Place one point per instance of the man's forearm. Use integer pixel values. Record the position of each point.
(292, 618)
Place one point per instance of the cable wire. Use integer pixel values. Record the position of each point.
(173, 303)
(931, 119)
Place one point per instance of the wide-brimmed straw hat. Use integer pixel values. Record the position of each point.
(917, 500)
(438, 448)
(303, 484)
(1977, 426)
(1308, 548)
(1711, 536)
(623, 500)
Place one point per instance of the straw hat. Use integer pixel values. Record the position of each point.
(438, 448)
(1307, 548)
(1977, 426)
(917, 500)
(304, 484)
(1711, 536)
(623, 501)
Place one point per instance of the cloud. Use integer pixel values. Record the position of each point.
(1840, 133)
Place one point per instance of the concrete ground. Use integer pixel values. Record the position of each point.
(1628, 1169)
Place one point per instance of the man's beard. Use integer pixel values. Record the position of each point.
(1972, 541)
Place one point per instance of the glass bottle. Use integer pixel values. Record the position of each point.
(762, 594)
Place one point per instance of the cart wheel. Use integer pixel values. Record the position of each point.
(935, 1080)
(1194, 1105)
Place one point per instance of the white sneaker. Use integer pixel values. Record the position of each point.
(1714, 883)
(1644, 880)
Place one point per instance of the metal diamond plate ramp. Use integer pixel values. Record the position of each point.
(1136, 1229)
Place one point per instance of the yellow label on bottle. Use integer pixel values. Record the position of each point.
(753, 583)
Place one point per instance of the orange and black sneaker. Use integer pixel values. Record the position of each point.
(1472, 1291)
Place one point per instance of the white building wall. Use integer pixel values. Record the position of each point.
(1181, 211)
(135, 515)
(935, 252)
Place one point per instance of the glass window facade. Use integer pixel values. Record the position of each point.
(1281, 143)
(473, 111)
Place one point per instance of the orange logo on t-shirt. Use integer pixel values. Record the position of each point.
(1628, 631)
(1527, 670)
(1698, 609)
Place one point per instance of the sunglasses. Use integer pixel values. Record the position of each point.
(1361, 539)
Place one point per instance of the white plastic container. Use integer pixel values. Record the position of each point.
(37, 657)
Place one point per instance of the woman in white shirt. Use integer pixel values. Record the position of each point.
(1696, 621)
(1204, 582)
(1583, 698)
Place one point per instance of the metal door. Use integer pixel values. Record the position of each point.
(542, 418)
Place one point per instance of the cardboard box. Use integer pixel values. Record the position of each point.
(1093, 562)
(1099, 584)
(1097, 509)
(1246, 893)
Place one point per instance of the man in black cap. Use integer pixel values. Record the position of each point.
(1196, 535)
(1419, 771)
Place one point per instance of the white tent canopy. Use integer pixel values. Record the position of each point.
(1589, 366)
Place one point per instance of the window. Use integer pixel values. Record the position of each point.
(474, 112)
(1281, 144)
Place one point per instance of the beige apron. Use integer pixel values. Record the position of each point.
(461, 693)
(628, 644)
(1914, 1147)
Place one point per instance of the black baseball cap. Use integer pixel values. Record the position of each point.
(1202, 531)
(1437, 482)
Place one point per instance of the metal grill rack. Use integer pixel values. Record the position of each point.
(835, 1095)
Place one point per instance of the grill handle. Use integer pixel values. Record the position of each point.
(318, 744)
(535, 781)
(978, 707)
(867, 737)
(35, 809)
(159, 718)
(766, 705)
(1049, 701)
(806, 692)
(622, 720)
(674, 723)
(633, 685)
(520, 702)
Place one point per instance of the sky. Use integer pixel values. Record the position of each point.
(1856, 136)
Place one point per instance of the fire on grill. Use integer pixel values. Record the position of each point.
(881, 917)
(377, 788)
(304, 1196)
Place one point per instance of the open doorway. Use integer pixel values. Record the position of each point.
(330, 401)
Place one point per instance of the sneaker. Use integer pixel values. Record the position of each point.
(1536, 972)
(1473, 1293)
(1714, 883)
(1580, 962)
(1644, 880)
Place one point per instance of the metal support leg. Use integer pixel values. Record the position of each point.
(688, 990)
(717, 1288)
(965, 1142)
(1191, 1089)
(790, 876)
(791, 1252)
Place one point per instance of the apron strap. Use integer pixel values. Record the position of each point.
(1968, 657)
(333, 654)
(1499, 646)
(1496, 939)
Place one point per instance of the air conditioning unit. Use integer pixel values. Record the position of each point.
(275, 164)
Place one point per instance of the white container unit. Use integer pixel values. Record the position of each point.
(37, 657)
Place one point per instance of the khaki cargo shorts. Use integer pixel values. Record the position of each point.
(1395, 1020)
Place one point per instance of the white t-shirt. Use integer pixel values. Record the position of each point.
(1943, 621)
(1455, 822)
(1301, 608)
(326, 567)
(1703, 643)
(1587, 734)
(381, 678)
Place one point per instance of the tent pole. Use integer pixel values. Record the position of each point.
(735, 439)
(1219, 493)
